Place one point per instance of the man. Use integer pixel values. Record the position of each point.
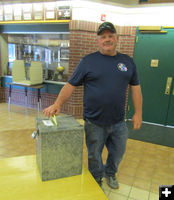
(105, 75)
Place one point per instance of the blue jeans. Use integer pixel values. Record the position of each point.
(114, 137)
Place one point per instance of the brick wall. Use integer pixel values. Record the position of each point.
(18, 98)
(2, 94)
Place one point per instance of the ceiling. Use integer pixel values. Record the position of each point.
(111, 2)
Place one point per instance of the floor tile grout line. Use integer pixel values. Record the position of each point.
(149, 189)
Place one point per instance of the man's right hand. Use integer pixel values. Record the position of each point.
(51, 110)
(64, 95)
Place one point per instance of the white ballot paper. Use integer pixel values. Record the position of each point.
(48, 122)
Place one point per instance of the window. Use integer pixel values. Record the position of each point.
(11, 52)
(50, 49)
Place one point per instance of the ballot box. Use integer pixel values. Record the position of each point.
(59, 148)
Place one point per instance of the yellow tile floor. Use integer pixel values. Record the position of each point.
(144, 167)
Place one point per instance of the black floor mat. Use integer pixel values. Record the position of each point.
(152, 133)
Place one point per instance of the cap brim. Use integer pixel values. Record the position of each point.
(99, 32)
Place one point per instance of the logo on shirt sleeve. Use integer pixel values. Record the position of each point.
(122, 67)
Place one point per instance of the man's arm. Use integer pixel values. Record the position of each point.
(63, 96)
(137, 102)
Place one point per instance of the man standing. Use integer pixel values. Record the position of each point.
(105, 75)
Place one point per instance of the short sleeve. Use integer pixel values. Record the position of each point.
(78, 76)
(134, 79)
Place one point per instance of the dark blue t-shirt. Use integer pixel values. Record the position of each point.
(105, 80)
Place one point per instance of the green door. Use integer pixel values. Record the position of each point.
(154, 58)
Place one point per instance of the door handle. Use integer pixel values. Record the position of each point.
(168, 85)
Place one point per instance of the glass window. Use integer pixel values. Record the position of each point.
(11, 52)
(50, 49)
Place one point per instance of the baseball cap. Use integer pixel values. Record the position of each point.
(106, 26)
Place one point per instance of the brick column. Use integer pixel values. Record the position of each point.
(82, 42)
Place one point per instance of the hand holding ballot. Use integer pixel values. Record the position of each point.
(51, 110)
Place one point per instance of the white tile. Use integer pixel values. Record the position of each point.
(115, 196)
(138, 194)
(153, 196)
(123, 189)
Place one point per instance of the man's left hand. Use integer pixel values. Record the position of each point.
(137, 121)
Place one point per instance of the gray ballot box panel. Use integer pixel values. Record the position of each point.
(59, 149)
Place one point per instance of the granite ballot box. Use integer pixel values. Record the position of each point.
(59, 148)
